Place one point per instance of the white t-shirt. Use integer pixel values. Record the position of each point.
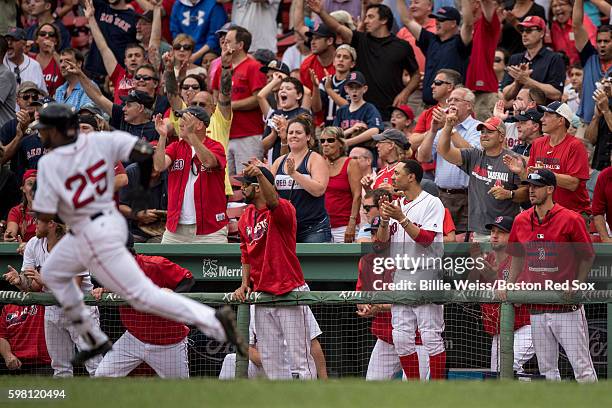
(260, 20)
(188, 211)
(75, 181)
(29, 70)
(293, 57)
(35, 254)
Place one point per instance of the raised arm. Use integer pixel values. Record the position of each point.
(298, 18)
(581, 37)
(170, 82)
(406, 17)
(449, 152)
(224, 102)
(208, 159)
(108, 58)
(90, 89)
(467, 26)
(161, 161)
(344, 32)
(156, 35)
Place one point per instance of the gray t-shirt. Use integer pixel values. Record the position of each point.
(486, 172)
(7, 95)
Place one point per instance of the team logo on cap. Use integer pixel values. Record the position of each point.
(498, 220)
(441, 11)
(353, 76)
(272, 64)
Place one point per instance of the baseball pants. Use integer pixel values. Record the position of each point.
(100, 248)
(168, 361)
(570, 329)
(285, 332)
(338, 234)
(61, 337)
(228, 369)
(385, 363)
(523, 349)
(186, 234)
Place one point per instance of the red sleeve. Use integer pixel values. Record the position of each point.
(117, 74)
(172, 273)
(422, 124)
(217, 149)
(244, 254)
(577, 164)
(284, 213)
(533, 152)
(448, 224)
(425, 237)
(600, 205)
(257, 79)
(171, 150)
(14, 214)
(216, 79)
(359, 284)
(3, 323)
(119, 169)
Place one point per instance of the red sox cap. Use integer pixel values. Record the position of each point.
(504, 223)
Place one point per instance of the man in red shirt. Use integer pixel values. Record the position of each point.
(550, 245)
(563, 154)
(269, 264)
(159, 342)
(480, 76)
(196, 180)
(322, 41)
(22, 340)
(602, 205)
(247, 124)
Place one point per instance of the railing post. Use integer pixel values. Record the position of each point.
(506, 341)
(243, 319)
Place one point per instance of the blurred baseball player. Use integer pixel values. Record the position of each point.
(549, 242)
(269, 264)
(160, 343)
(414, 224)
(75, 182)
(497, 267)
(228, 369)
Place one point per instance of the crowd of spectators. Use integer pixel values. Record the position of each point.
(329, 95)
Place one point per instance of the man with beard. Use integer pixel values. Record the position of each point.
(15, 59)
(118, 26)
(72, 91)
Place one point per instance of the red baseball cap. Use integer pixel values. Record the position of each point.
(406, 110)
(533, 21)
(493, 123)
(28, 174)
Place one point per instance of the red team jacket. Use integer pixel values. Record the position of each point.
(268, 245)
(490, 311)
(24, 329)
(149, 328)
(209, 189)
(552, 248)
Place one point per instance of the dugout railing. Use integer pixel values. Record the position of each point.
(341, 303)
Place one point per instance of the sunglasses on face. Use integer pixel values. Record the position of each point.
(46, 34)
(144, 78)
(328, 140)
(528, 30)
(28, 97)
(439, 82)
(186, 47)
(200, 104)
(367, 208)
(498, 59)
(187, 87)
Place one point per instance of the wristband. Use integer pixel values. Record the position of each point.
(512, 194)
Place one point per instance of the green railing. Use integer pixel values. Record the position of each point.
(353, 298)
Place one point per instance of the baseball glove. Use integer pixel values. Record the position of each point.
(157, 228)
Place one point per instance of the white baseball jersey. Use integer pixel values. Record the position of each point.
(76, 181)
(35, 254)
(427, 213)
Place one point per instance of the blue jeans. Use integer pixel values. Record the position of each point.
(317, 233)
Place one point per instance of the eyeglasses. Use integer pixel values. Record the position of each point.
(200, 104)
(498, 59)
(367, 208)
(328, 140)
(144, 78)
(439, 82)
(17, 73)
(187, 87)
(454, 100)
(28, 97)
(46, 34)
(186, 47)
(528, 30)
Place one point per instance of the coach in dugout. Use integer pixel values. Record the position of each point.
(550, 244)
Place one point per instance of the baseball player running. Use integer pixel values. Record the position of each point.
(269, 264)
(75, 182)
(413, 224)
(160, 343)
(549, 242)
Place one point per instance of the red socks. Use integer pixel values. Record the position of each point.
(410, 365)
(437, 366)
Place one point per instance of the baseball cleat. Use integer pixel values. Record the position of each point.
(227, 317)
(84, 355)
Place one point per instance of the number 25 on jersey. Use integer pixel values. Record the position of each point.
(95, 175)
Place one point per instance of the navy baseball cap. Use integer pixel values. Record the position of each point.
(321, 30)
(446, 13)
(559, 108)
(275, 65)
(224, 29)
(504, 223)
(16, 33)
(42, 101)
(355, 77)
(250, 179)
(541, 177)
(531, 114)
(139, 97)
(196, 111)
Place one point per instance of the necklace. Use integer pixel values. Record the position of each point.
(333, 161)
